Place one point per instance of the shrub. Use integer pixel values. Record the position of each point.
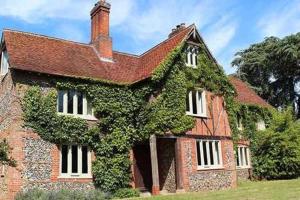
(126, 193)
(34, 194)
(276, 151)
(37, 194)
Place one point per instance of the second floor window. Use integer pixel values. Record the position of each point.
(4, 63)
(260, 125)
(191, 56)
(209, 154)
(74, 103)
(242, 157)
(196, 103)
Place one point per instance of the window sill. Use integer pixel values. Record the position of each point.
(192, 66)
(75, 177)
(244, 167)
(86, 117)
(210, 168)
(197, 115)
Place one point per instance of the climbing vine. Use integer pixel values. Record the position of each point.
(4, 154)
(128, 113)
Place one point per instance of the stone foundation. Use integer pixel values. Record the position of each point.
(244, 174)
(211, 180)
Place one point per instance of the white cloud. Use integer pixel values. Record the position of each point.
(220, 34)
(156, 21)
(39, 11)
(282, 20)
(70, 32)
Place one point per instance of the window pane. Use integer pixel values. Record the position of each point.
(217, 153)
(198, 154)
(211, 154)
(237, 157)
(187, 58)
(60, 101)
(74, 159)
(79, 103)
(194, 101)
(64, 159)
(246, 156)
(89, 108)
(191, 59)
(242, 158)
(196, 59)
(204, 152)
(187, 102)
(70, 101)
(200, 102)
(84, 159)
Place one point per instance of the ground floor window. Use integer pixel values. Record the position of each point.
(243, 157)
(75, 161)
(209, 154)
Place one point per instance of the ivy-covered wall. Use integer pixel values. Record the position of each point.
(128, 113)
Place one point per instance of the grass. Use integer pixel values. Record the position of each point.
(265, 190)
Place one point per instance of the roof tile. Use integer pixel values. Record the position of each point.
(43, 54)
(245, 94)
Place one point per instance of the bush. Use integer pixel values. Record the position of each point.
(37, 194)
(276, 151)
(126, 193)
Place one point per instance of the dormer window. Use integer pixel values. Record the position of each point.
(4, 63)
(196, 103)
(191, 56)
(74, 103)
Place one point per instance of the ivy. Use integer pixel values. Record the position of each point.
(128, 113)
(4, 154)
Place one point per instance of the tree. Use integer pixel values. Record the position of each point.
(276, 151)
(272, 67)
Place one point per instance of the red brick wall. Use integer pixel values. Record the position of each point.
(216, 123)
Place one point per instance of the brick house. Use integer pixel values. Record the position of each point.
(247, 96)
(201, 159)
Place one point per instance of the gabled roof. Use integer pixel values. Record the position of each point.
(245, 94)
(42, 54)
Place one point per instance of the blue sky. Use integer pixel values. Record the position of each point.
(227, 26)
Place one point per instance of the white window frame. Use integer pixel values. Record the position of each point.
(243, 160)
(216, 156)
(69, 174)
(84, 115)
(4, 63)
(201, 103)
(191, 63)
(261, 125)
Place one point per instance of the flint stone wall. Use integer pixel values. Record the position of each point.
(38, 168)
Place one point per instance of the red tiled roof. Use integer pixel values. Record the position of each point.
(43, 54)
(245, 94)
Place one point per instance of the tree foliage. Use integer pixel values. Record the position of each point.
(272, 67)
(276, 151)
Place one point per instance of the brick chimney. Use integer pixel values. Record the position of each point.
(100, 30)
(177, 29)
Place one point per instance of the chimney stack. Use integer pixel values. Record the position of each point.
(100, 30)
(178, 28)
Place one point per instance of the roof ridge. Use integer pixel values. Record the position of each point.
(127, 54)
(149, 50)
(46, 36)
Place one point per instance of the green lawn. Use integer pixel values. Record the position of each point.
(274, 190)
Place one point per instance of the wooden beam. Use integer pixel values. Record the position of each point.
(154, 165)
